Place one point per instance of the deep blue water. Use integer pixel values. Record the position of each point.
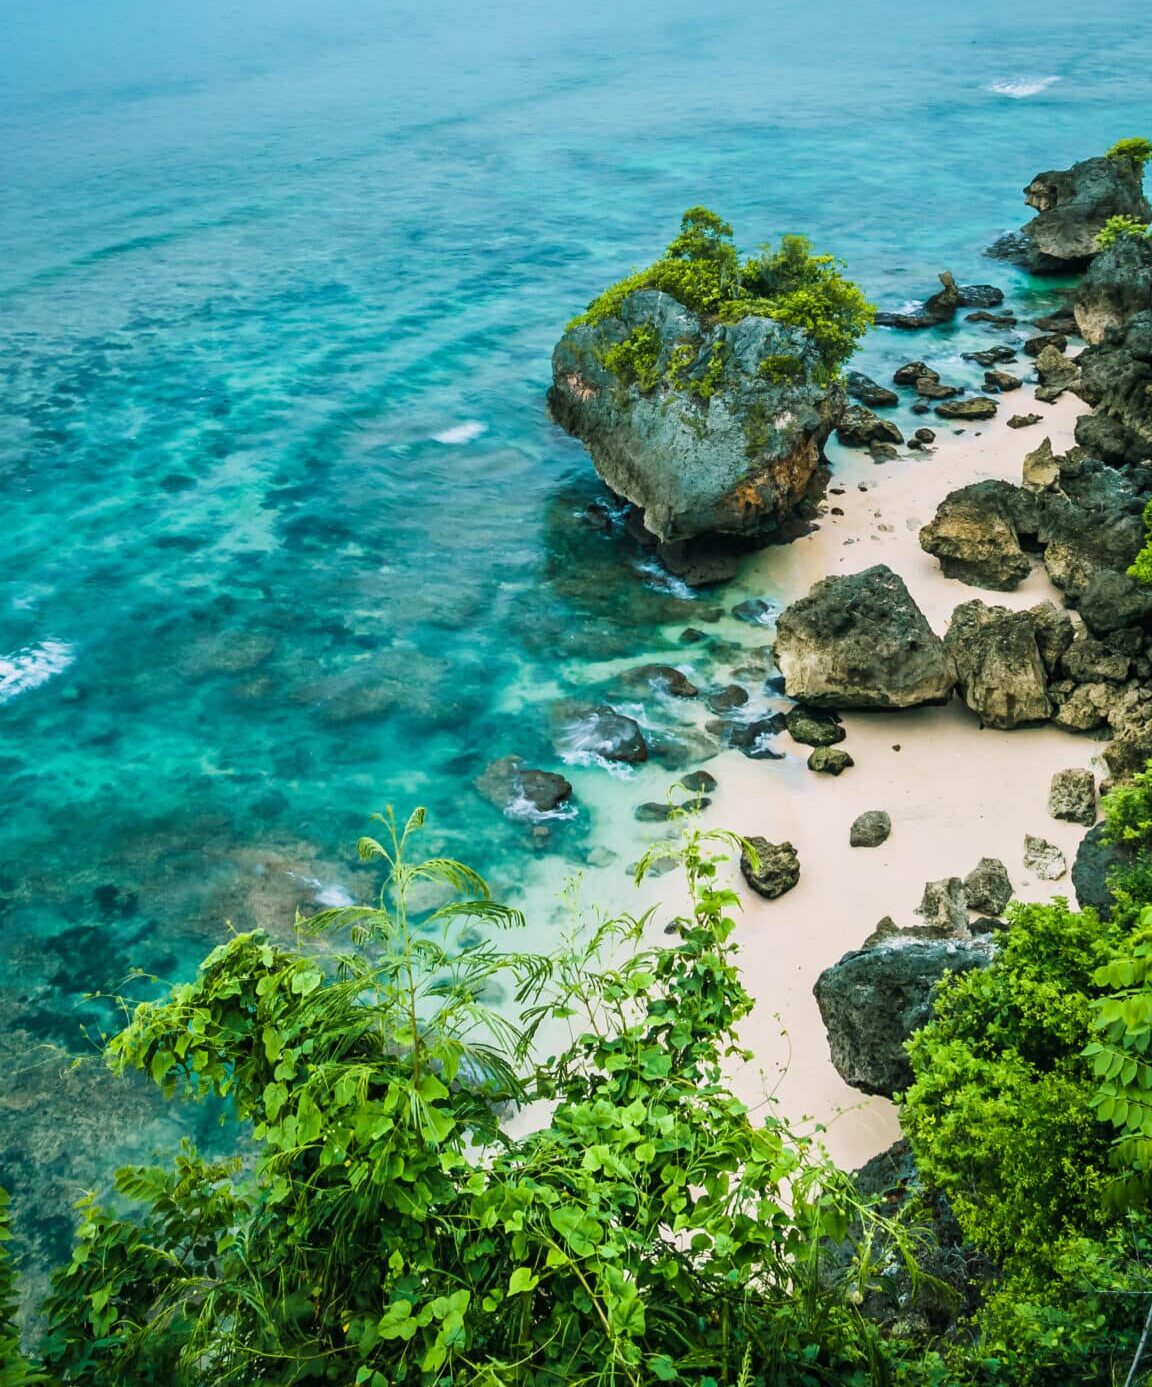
(287, 535)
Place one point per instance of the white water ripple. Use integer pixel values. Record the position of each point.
(1020, 87)
(32, 666)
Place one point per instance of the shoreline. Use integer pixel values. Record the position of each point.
(955, 792)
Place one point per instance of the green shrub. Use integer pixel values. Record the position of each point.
(636, 360)
(648, 1228)
(14, 1369)
(1136, 148)
(701, 269)
(998, 1115)
(1117, 228)
(1142, 565)
(1120, 1062)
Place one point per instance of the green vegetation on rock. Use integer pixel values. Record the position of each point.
(1136, 148)
(1116, 228)
(702, 270)
(1141, 568)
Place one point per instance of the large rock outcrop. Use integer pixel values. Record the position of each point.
(998, 664)
(1118, 284)
(872, 1000)
(1116, 378)
(701, 439)
(860, 641)
(1072, 206)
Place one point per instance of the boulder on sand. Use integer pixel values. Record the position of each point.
(860, 641)
(974, 536)
(872, 1000)
(1001, 675)
(1072, 796)
(773, 870)
(987, 887)
(860, 428)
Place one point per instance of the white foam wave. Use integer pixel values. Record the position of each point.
(1019, 87)
(521, 807)
(656, 576)
(461, 433)
(330, 897)
(34, 665)
(333, 897)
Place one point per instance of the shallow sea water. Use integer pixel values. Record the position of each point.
(287, 535)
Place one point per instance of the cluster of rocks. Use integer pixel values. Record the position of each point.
(1087, 669)
(874, 998)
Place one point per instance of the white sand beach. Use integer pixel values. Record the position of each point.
(955, 792)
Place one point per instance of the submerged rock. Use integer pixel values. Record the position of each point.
(516, 788)
(1001, 675)
(1072, 206)
(775, 870)
(601, 731)
(872, 1000)
(978, 407)
(1118, 285)
(860, 641)
(939, 308)
(664, 678)
(698, 448)
(869, 392)
(980, 296)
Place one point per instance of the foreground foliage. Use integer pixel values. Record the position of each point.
(392, 1231)
(702, 270)
(1030, 1112)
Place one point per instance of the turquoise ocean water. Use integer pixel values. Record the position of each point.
(287, 535)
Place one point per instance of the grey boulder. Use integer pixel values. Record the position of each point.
(1072, 796)
(773, 869)
(1001, 674)
(873, 999)
(696, 455)
(987, 887)
(860, 641)
(870, 829)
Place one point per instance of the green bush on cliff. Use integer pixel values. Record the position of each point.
(1117, 228)
(1136, 149)
(998, 1115)
(649, 1229)
(702, 270)
(1142, 565)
